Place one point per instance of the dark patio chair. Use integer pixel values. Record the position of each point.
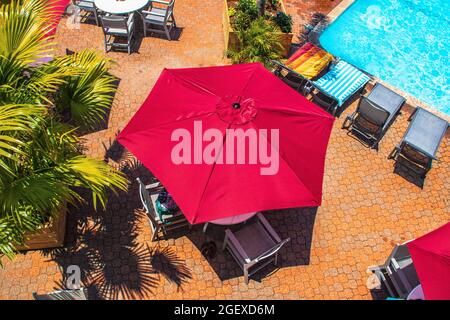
(419, 145)
(118, 27)
(375, 114)
(159, 17)
(398, 273)
(254, 246)
(166, 223)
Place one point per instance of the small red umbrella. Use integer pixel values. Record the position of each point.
(229, 140)
(431, 257)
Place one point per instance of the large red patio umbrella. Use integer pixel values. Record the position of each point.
(431, 257)
(245, 96)
(56, 9)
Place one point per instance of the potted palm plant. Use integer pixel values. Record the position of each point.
(239, 14)
(42, 167)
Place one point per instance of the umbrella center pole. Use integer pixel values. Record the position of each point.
(236, 105)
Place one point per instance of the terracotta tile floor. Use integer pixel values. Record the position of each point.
(366, 209)
(302, 10)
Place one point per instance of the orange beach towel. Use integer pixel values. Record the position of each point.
(309, 60)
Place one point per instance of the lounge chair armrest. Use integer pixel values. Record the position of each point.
(268, 227)
(236, 244)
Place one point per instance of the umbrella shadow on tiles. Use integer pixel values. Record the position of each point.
(296, 224)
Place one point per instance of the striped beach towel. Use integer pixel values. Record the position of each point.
(342, 81)
(309, 60)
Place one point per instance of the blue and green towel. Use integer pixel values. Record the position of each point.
(342, 81)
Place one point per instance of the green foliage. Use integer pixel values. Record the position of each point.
(87, 94)
(242, 21)
(274, 3)
(259, 43)
(231, 11)
(248, 7)
(283, 21)
(41, 163)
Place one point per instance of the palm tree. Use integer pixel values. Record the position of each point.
(259, 43)
(41, 162)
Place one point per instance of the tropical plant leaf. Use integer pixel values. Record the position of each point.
(88, 95)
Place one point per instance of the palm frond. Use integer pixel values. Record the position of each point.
(88, 95)
(97, 176)
(24, 26)
(13, 119)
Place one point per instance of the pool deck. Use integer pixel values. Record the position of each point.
(410, 99)
(366, 209)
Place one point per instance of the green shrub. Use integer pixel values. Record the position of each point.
(231, 11)
(242, 20)
(258, 43)
(283, 21)
(274, 3)
(248, 7)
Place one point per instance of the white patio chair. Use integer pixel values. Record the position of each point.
(149, 194)
(254, 246)
(159, 18)
(88, 7)
(76, 294)
(118, 26)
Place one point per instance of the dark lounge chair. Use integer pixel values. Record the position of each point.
(375, 114)
(419, 145)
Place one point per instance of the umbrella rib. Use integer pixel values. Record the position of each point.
(205, 113)
(287, 164)
(192, 82)
(249, 80)
(296, 111)
(210, 174)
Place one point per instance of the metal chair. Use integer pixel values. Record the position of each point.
(398, 273)
(419, 145)
(254, 246)
(159, 16)
(149, 194)
(375, 114)
(76, 294)
(118, 26)
(87, 6)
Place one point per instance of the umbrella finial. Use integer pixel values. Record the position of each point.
(236, 105)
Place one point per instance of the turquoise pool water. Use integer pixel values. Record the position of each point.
(403, 42)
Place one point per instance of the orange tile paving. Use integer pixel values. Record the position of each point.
(367, 208)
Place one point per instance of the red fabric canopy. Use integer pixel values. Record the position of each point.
(243, 96)
(56, 9)
(431, 257)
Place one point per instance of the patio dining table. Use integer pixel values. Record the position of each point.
(120, 6)
(231, 220)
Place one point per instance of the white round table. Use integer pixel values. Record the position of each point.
(120, 7)
(231, 220)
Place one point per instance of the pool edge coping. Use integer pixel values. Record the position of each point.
(410, 99)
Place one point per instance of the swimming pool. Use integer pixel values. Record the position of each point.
(402, 42)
